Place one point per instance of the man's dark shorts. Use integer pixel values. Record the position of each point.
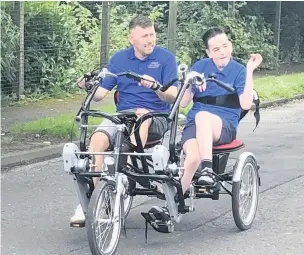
(157, 129)
(228, 133)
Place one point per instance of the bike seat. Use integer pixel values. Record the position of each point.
(229, 147)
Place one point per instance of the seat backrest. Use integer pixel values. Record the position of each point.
(256, 101)
(116, 97)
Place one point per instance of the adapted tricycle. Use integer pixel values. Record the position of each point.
(153, 170)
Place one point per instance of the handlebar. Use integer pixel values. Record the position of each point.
(92, 78)
(212, 77)
(138, 78)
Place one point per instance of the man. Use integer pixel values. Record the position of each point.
(208, 125)
(155, 64)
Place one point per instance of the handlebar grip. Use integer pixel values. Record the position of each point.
(134, 76)
(89, 75)
(138, 78)
(225, 86)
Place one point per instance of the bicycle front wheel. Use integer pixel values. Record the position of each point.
(103, 229)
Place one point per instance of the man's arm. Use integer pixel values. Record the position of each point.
(100, 94)
(107, 84)
(168, 96)
(169, 74)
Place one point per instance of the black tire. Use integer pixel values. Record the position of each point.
(240, 222)
(97, 196)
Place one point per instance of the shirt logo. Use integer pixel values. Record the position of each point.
(154, 65)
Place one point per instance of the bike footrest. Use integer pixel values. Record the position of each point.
(158, 223)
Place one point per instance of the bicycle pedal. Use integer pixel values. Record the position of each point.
(77, 225)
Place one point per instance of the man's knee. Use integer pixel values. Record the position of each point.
(145, 125)
(99, 140)
(140, 112)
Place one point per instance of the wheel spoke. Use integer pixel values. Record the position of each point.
(105, 203)
(106, 236)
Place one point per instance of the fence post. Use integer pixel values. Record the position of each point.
(277, 27)
(231, 8)
(104, 49)
(17, 15)
(21, 51)
(172, 26)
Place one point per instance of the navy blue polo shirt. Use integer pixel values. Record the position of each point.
(234, 74)
(160, 64)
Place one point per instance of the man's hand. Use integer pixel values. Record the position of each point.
(147, 82)
(254, 61)
(81, 83)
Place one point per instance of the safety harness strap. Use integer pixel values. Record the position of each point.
(231, 101)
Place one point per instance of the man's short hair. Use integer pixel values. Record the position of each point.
(210, 33)
(140, 21)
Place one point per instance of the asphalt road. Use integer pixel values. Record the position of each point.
(38, 200)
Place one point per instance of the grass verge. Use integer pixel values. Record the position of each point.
(61, 126)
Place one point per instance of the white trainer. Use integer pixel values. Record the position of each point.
(79, 216)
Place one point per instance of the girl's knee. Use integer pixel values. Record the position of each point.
(203, 115)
